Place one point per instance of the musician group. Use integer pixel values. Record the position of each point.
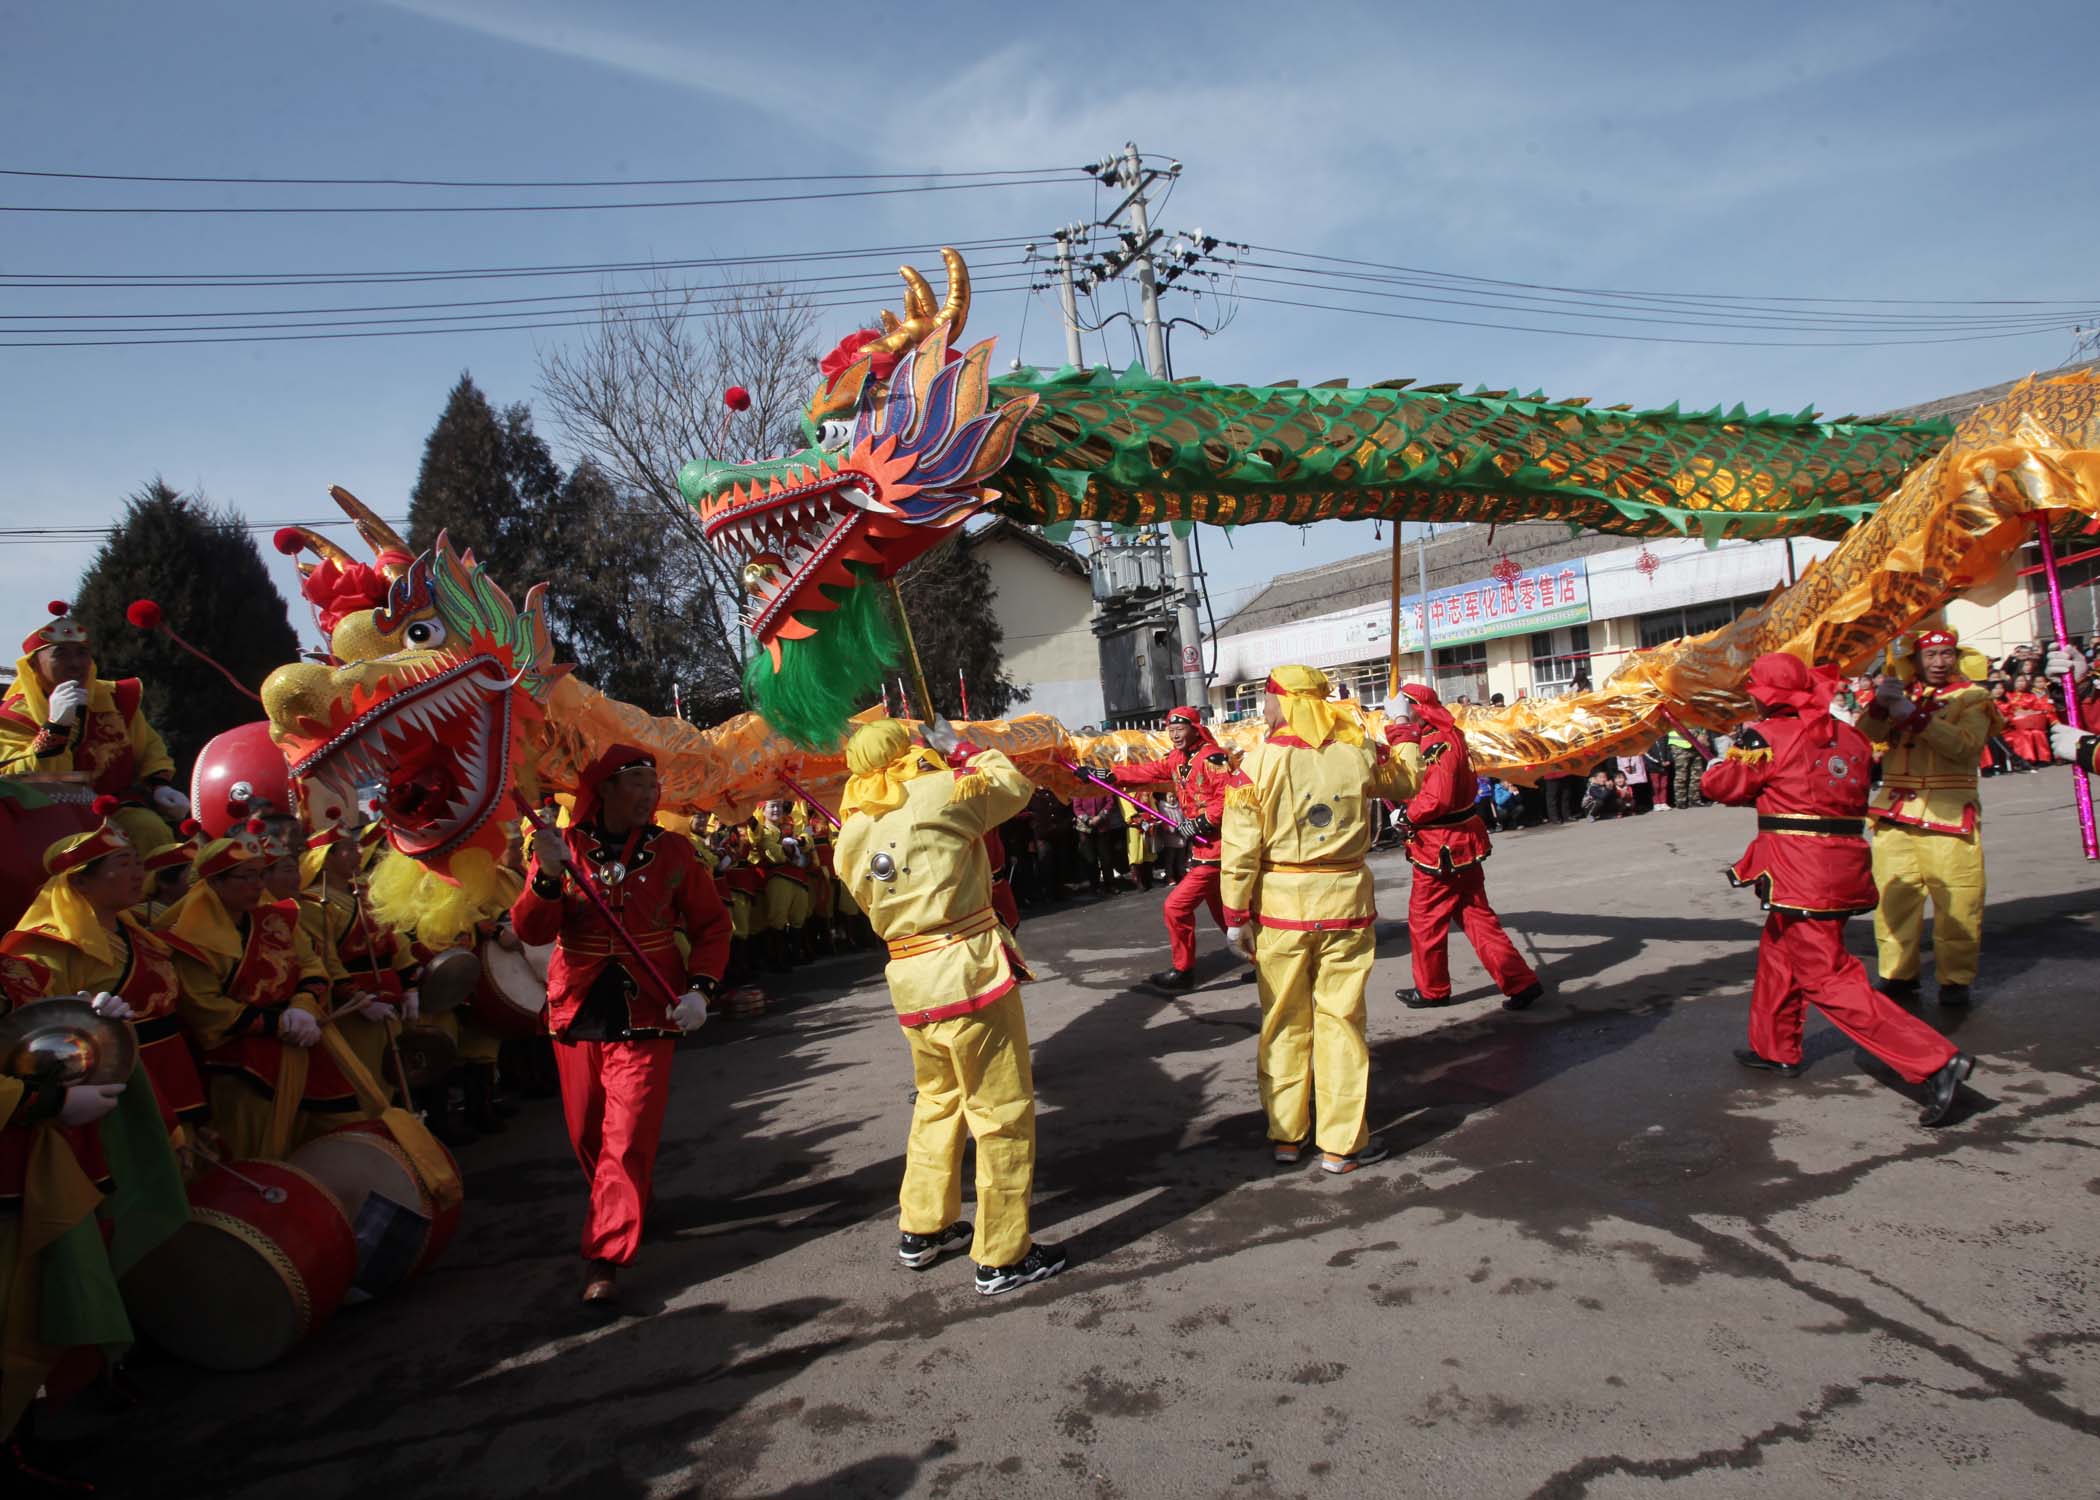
(269, 1004)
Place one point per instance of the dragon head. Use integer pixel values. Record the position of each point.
(423, 710)
(903, 441)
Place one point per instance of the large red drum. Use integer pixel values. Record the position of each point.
(247, 1279)
(512, 998)
(365, 1170)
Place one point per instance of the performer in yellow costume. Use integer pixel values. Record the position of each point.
(1932, 718)
(367, 968)
(1300, 902)
(912, 852)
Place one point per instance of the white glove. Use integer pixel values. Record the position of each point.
(1893, 699)
(790, 848)
(2064, 740)
(1241, 941)
(380, 1011)
(85, 1103)
(550, 851)
(412, 999)
(941, 736)
(690, 1013)
(2065, 660)
(1400, 709)
(66, 702)
(171, 802)
(106, 1004)
(298, 1027)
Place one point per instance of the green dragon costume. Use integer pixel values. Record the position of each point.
(910, 437)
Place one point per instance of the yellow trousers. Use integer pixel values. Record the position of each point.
(1313, 1057)
(973, 1076)
(240, 1114)
(368, 1038)
(787, 904)
(1911, 867)
(477, 1044)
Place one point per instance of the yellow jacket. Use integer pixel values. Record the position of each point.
(235, 970)
(1295, 836)
(329, 925)
(920, 873)
(115, 748)
(1930, 761)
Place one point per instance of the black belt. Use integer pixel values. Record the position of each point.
(1444, 820)
(158, 1029)
(1841, 827)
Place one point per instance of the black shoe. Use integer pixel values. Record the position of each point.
(1942, 1087)
(1765, 1064)
(1040, 1264)
(1250, 976)
(1956, 995)
(1525, 998)
(478, 1091)
(601, 1286)
(1414, 999)
(1173, 981)
(918, 1251)
(1902, 991)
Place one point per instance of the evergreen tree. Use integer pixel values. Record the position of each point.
(949, 593)
(204, 570)
(471, 485)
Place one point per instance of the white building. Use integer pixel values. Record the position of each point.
(1044, 598)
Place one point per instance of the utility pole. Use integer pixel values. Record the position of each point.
(1075, 356)
(1190, 626)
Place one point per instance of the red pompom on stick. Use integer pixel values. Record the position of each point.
(104, 805)
(256, 825)
(288, 541)
(736, 398)
(189, 828)
(58, 606)
(145, 614)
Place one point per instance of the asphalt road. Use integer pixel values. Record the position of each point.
(1603, 1260)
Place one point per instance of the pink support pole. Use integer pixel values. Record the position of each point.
(2081, 784)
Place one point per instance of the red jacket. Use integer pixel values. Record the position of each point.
(1444, 832)
(665, 889)
(1200, 778)
(1808, 780)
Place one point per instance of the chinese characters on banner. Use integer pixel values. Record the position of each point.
(1540, 598)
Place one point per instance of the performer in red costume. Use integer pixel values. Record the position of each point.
(1200, 771)
(616, 1029)
(1806, 772)
(1446, 842)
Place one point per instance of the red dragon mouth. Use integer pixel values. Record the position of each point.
(439, 749)
(790, 539)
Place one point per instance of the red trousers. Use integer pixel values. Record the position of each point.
(1193, 892)
(1800, 959)
(1431, 905)
(613, 1094)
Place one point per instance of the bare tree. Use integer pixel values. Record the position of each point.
(641, 394)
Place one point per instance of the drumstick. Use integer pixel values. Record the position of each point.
(271, 1195)
(393, 1034)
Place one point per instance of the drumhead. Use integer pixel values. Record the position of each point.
(448, 979)
(519, 974)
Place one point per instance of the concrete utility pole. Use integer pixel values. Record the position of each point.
(1075, 356)
(1190, 626)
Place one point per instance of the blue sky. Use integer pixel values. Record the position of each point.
(1935, 151)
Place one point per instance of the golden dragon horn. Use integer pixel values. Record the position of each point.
(920, 315)
(321, 547)
(377, 535)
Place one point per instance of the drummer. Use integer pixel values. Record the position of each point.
(82, 936)
(249, 1004)
(368, 968)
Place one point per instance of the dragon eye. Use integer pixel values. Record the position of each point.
(425, 633)
(834, 435)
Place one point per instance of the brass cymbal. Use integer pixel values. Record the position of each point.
(63, 1040)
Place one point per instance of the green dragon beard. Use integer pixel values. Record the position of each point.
(823, 679)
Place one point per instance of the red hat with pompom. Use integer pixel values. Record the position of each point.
(78, 849)
(61, 629)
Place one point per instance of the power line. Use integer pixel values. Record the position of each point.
(94, 281)
(601, 182)
(520, 208)
(732, 293)
(1748, 314)
(97, 342)
(1639, 338)
(1708, 296)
